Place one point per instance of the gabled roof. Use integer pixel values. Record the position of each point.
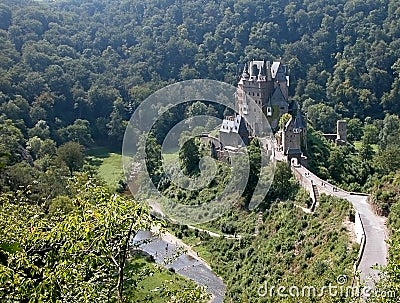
(298, 121)
(277, 96)
(231, 124)
(269, 102)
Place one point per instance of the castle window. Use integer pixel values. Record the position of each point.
(258, 94)
(269, 111)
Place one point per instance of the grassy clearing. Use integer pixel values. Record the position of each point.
(108, 163)
(357, 145)
(170, 155)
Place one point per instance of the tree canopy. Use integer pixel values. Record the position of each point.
(73, 72)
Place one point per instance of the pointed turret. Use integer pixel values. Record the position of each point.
(261, 72)
(245, 73)
(254, 70)
(298, 121)
(268, 70)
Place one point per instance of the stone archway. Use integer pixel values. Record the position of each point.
(294, 158)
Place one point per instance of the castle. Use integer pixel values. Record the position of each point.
(265, 85)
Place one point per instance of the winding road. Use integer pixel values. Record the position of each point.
(173, 253)
(375, 251)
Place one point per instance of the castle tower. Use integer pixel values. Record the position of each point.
(252, 86)
(267, 84)
(291, 139)
(341, 132)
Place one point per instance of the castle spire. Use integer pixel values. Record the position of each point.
(245, 73)
(262, 71)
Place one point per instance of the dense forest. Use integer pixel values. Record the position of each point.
(76, 70)
(87, 64)
(72, 72)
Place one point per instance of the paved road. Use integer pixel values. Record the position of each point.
(375, 252)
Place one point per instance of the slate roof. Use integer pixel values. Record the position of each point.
(294, 151)
(299, 121)
(231, 124)
(278, 97)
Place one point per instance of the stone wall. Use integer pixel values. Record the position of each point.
(359, 228)
(306, 184)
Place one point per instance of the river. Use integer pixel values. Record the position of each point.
(167, 250)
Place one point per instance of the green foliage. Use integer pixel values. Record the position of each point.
(303, 198)
(292, 248)
(76, 71)
(79, 132)
(203, 195)
(71, 153)
(323, 117)
(5, 16)
(78, 255)
(354, 129)
(197, 108)
(40, 130)
(254, 154)
(152, 151)
(20, 175)
(98, 61)
(284, 186)
(117, 124)
(385, 193)
(189, 157)
(11, 141)
(370, 134)
(61, 204)
(40, 148)
(317, 152)
(283, 120)
(388, 160)
(389, 134)
(344, 165)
